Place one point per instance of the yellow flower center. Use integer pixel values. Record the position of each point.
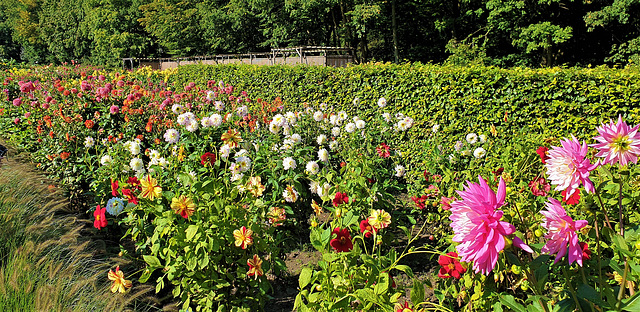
(620, 144)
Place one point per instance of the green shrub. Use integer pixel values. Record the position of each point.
(459, 99)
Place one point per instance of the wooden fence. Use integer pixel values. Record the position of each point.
(325, 56)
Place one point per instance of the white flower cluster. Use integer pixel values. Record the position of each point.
(156, 159)
(404, 123)
(189, 121)
(133, 146)
(289, 163)
(312, 167)
(320, 190)
(471, 139)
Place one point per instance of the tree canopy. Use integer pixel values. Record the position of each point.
(493, 32)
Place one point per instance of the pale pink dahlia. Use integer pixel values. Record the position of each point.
(562, 231)
(568, 166)
(618, 143)
(477, 226)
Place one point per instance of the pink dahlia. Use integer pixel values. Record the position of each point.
(562, 231)
(477, 226)
(618, 143)
(568, 167)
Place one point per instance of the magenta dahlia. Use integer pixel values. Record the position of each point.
(568, 167)
(477, 226)
(618, 142)
(561, 231)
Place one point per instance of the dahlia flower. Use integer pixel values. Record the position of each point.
(318, 116)
(183, 206)
(471, 138)
(115, 205)
(477, 226)
(105, 160)
(290, 194)
(542, 151)
(618, 143)
(379, 219)
(342, 242)
(255, 267)
(255, 186)
(562, 231)
(100, 218)
(312, 167)
(383, 150)
(208, 158)
(150, 188)
(136, 164)
(288, 163)
(366, 228)
(479, 152)
(450, 266)
(322, 139)
(120, 284)
(568, 167)
(243, 237)
(333, 145)
(215, 120)
(89, 142)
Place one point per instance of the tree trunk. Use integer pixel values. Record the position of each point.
(394, 30)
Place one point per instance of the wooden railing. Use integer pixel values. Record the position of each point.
(310, 55)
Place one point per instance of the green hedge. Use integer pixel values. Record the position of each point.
(553, 102)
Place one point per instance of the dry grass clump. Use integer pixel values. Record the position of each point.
(45, 262)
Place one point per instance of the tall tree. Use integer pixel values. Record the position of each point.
(621, 19)
(175, 25)
(113, 27)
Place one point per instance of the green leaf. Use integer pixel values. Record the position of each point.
(383, 284)
(305, 277)
(366, 295)
(152, 261)
(510, 302)
(404, 268)
(633, 303)
(349, 219)
(621, 245)
(417, 292)
(588, 293)
(497, 307)
(146, 274)
(191, 231)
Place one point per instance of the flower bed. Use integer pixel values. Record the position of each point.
(209, 183)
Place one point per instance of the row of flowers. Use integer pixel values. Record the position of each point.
(207, 180)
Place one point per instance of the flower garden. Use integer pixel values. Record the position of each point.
(206, 187)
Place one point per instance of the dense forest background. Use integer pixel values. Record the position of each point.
(494, 32)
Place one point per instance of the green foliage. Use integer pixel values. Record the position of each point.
(459, 99)
(623, 15)
(542, 35)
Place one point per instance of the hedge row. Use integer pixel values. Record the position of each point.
(552, 102)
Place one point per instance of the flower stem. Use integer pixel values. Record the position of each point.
(622, 284)
(571, 289)
(532, 278)
(606, 217)
(601, 281)
(620, 207)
